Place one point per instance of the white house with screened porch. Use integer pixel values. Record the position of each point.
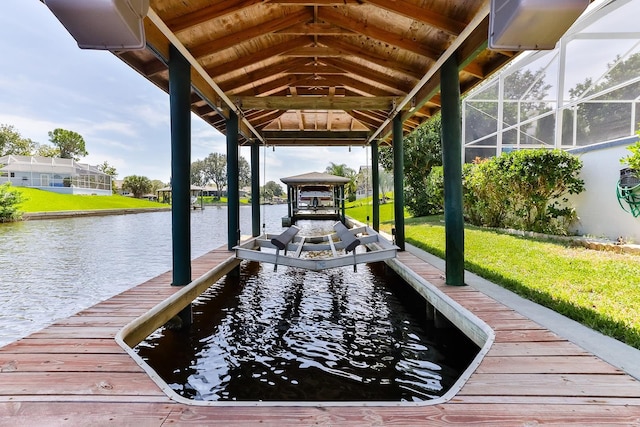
(65, 176)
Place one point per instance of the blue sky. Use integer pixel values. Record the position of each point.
(47, 82)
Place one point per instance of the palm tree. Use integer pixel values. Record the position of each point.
(351, 187)
(342, 169)
(339, 170)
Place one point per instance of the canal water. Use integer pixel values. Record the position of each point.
(51, 269)
(298, 335)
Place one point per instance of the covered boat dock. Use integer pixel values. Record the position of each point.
(306, 73)
(315, 195)
(74, 372)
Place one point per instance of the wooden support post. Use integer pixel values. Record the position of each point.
(452, 165)
(255, 188)
(398, 181)
(375, 184)
(180, 113)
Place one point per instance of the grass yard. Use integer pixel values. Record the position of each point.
(46, 201)
(363, 207)
(596, 288)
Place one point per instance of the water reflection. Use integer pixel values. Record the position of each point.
(297, 335)
(51, 269)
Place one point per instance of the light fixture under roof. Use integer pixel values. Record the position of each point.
(531, 24)
(103, 24)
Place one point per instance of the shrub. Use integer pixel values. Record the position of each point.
(9, 201)
(524, 189)
(429, 199)
(633, 159)
(485, 188)
(422, 152)
(537, 181)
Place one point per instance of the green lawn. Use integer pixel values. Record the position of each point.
(598, 289)
(362, 208)
(46, 201)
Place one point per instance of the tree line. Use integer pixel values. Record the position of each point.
(65, 144)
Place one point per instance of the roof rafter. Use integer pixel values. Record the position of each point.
(334, 17)
(246, 34)
(215, 10)
(426, 15)
(259, 56)
(384, 61)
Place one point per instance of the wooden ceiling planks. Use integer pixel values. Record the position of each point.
(317, 66)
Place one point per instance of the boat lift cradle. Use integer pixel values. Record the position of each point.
(337, 245)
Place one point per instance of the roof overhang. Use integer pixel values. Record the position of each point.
(317, 72)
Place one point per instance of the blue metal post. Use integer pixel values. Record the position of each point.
(233, 183)
(375, 184)
(343, 200)
(452, 164)
(180, 112)
(398, 181)
(255, 188)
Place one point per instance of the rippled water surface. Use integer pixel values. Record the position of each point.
(296, 335)
(50, 269)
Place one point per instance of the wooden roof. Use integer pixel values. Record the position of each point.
(319, 178)
(317, 72)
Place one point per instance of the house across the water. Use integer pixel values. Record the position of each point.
(58, 175)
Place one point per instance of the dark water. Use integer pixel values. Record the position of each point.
(51, 269)
(297, 335)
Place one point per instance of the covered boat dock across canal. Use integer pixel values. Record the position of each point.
(308, 73)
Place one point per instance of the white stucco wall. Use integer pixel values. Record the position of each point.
(597, 207)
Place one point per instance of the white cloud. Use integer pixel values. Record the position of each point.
(47, 82)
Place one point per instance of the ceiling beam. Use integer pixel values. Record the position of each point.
(319, 142)
(317, 91)
(344, 103)
(271, 87)
(317, 2)
(314, 134)
(317, 69)
(316, 29)
(316, 52)
(360, 87)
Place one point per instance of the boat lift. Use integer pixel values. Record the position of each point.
(333, 250)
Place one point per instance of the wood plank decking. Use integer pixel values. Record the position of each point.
(74, 373)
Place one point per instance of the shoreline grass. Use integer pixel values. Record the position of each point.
(599, 289)
(45, 201)
(36, 200)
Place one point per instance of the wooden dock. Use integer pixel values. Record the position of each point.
(73, 373)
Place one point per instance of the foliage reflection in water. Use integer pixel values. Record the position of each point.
(297, 335)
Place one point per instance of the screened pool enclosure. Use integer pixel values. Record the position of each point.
(584, 92)
(54, 174)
